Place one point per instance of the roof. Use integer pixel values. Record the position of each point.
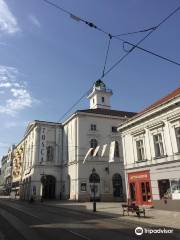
(161, 101)
(109, 112)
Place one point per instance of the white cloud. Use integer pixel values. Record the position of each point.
(5, 85)
(19, 97)
(8, 22)
(34, 20)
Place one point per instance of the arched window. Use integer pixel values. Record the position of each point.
(117, 185)
(93, 144)
(116, 150)
(94, 178)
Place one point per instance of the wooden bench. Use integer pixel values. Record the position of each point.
(133, 209)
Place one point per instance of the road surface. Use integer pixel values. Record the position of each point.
(24, 221)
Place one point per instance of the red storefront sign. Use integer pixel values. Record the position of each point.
(140, 188)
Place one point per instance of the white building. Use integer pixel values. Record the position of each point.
(53, 153)
(41, 168)
(151, 143)
(87, 129)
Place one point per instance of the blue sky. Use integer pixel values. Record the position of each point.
(47, 60)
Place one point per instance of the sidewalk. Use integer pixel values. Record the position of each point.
(113, 209)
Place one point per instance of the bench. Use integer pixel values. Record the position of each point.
(133, 209)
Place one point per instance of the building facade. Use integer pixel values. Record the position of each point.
(151, 143)
(3, 173)
(90, 129)
(8, 171)
(41, 170)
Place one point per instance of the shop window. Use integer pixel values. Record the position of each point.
(158, 145)
(164, 188)
(93, 127)
(83, 187)
(175, 189)
(140, 150)
(93, 144)
(145, 191)
(177, 131)
(50, 153)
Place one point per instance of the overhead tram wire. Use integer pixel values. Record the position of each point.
(90, 24)
(139, 42)
(150, 30)
(107, 54)
(124, 56)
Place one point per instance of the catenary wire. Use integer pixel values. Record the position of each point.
(90, 24)
(107, 53)
(140, 41)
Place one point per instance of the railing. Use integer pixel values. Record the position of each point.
(107, 90)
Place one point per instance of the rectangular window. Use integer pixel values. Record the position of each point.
(93, 127)
(158, 145)
(50, 153)
(83, 187)
(114, 129)
(177, 132)
(140, 150)
(175, 189)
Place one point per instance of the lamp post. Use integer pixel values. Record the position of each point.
(94, 189)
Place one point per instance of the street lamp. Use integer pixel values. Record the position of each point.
(94, 188)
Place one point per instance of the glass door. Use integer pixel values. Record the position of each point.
(145, 192)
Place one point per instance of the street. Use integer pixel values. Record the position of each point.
(22, 220)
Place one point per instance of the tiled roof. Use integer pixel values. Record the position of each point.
(161, 101)
(109, 112)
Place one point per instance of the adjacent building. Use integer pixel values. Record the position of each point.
(41, 168)
(3, 172)
(8, 170)
(151, 143)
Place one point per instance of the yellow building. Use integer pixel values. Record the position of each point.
(17, 167)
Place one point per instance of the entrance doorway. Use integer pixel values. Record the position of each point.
(140, 188)
(94, 181)
(48, 186)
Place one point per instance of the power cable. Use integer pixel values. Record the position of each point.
(107, 53)
(138, 43)
(92, 25)
(70, 109)
(148, 51)
(134, 46)
(130, 33)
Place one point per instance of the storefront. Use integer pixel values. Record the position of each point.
(140, 188)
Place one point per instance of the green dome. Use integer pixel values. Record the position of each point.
(100, 83)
